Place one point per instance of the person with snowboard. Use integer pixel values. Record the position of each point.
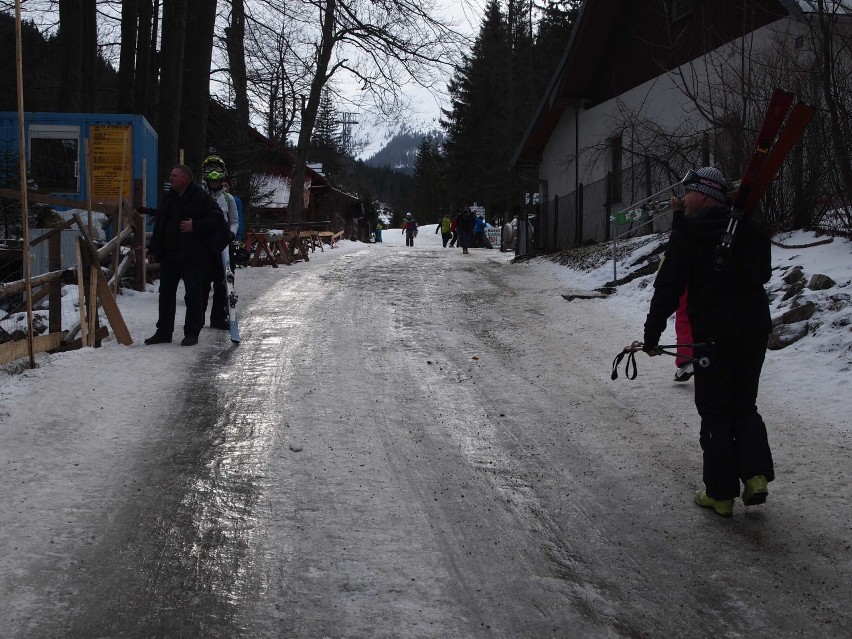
(188, 223)
(730, 309)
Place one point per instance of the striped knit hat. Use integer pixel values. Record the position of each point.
(710, 181)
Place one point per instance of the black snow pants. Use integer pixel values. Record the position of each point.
(733, 435)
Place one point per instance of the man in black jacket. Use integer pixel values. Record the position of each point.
(729, 307)
(188, 224)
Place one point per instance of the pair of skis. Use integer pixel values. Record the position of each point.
(231, 296)
(781, 129)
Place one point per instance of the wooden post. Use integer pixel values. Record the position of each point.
(142, 222)
(117, 255)
(90, 154)
(140, 259)
(22, 167)
(81, 293)
(92, 301)
(54, 249)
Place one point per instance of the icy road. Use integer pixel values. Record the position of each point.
(415, 443)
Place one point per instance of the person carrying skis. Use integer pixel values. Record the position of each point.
(214, 176)
(728, 307)
(409, 229)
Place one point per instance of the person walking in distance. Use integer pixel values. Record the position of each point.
(464, 225)
(727, 306)
(187, 222)
(445, 228)
(409, 229)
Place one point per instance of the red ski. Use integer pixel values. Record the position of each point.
(777, 136)
(800, 117)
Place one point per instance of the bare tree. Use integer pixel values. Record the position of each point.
(381, 46)
(831, 34)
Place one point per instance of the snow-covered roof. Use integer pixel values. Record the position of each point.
(278, 188)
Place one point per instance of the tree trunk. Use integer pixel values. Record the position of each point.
(195, 101)
(145, 81)
(71, 37)
(309, 113)
(89, 44)
(235, 44)
(171, 85)
(127, 56)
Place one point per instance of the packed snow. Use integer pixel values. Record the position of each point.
(84, 411)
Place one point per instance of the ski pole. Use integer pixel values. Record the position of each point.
(631, 370)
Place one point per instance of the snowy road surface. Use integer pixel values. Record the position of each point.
(416, 443)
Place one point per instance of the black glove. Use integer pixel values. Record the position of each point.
(650, 344)
(146, 210)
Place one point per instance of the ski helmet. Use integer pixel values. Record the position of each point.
(213, 163)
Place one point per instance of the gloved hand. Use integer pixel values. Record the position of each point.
(146, 210)
(651, 346)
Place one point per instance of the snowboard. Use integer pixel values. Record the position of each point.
(231, 296)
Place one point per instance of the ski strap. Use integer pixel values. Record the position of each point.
(630, 369)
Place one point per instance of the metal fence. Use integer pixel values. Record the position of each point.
(586, 215)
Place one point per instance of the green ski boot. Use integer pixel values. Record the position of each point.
(724, 507)
(755, 490)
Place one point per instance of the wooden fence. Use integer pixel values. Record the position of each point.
(95, 290)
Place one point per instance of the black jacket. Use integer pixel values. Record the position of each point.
(208, 226)
(464, 222)
(727, 302)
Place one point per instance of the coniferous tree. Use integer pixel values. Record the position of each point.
(429, 200)
(325, 142)
(477, 149)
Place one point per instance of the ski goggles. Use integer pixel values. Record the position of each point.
(214, 176)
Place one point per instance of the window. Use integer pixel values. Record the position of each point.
(54, 157)
(681, 8)
(615, 149)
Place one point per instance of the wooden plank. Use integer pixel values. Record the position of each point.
(7, 289)
(110, 306)
(113, 313)
(42, 198)
(10, 351)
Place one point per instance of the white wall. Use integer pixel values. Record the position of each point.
(660, 100)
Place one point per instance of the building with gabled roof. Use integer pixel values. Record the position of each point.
(650, 60)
